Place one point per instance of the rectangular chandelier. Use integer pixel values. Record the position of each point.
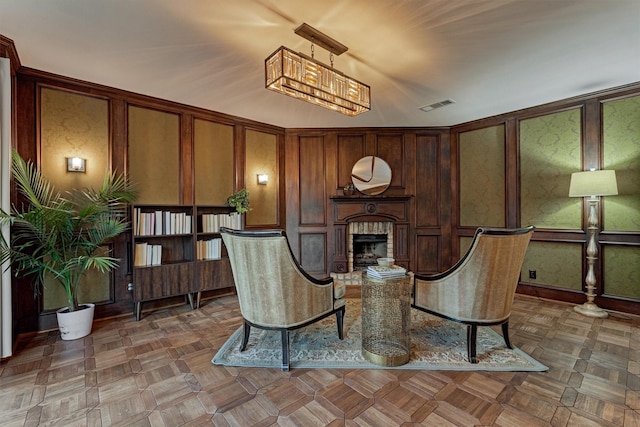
(302, 77)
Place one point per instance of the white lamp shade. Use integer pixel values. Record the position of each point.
(593, 183)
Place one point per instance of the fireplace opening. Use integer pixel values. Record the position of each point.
(367, 248)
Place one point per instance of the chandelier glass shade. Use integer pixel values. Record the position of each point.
(302, 77)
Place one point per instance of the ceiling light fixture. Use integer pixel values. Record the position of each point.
(303, 77)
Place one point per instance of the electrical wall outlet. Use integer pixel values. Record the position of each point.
(532, 274)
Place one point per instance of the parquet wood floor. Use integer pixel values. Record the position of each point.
(158, 372)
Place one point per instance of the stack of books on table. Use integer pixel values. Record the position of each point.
(391, 272)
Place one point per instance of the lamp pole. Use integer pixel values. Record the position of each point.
(590, 308)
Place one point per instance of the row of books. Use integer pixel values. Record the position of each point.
(160, 223)
(382, 272)
(209, 249)
(211, 223)
(146, 254)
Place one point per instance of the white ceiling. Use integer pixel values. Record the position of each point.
(490, 56)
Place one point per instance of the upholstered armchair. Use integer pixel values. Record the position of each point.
(274, 291)
(479, 289)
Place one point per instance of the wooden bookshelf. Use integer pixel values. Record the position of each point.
(180, 268)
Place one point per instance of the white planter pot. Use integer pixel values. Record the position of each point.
(75, 324)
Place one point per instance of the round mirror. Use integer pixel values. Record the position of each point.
(371, 175)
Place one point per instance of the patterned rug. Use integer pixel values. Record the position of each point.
(436, 344)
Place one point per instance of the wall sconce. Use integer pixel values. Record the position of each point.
(75, 164)
(263, 178)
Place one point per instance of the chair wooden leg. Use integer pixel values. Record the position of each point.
(472, 332)
(505, 334)
(340, 322)
(246, 330)
(285, 349)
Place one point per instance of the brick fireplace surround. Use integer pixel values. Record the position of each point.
(369, 215)
(368, 227)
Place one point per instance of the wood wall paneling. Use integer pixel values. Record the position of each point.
(350, 149)
(390, 148)
(401, 244)
(340, 255)
(312, 192)
(426, 260)
(427, 209)
(313, 249)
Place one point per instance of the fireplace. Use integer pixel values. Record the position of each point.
(367, 248)
(386, 216)
(368, 241)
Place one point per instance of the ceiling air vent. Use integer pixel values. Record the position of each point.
(437, 105)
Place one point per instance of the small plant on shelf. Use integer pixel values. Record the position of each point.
(240, 201)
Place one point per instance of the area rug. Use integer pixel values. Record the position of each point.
(436, 344)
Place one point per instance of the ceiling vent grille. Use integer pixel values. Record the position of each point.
(437, 105)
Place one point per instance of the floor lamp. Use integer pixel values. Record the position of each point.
(592, 185)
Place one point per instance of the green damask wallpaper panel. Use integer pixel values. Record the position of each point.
(621, 133)
(465, 244)
(482, 177)
(94, 287)
(549, 154)
(73, 125)
(261, 158)
(154, 155)
(214, 162)
(622, 271)
(555, 264)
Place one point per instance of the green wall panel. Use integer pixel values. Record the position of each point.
(261, 158)
(94, 287)
(555, 264)
(549, 153)
(74, 125)
(621, 133)
(622, 271)
(213, 161)
(482, 177)
(154, 155)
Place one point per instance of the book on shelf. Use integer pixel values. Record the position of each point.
(160, 223)
(146, 254)
(156, 256)
(140, 255)
(383, 272)
(211, 223)
(209, 249)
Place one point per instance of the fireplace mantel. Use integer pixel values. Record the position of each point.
(347, 209)
(370, 208)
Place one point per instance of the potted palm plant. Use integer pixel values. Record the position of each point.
(58, 236)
